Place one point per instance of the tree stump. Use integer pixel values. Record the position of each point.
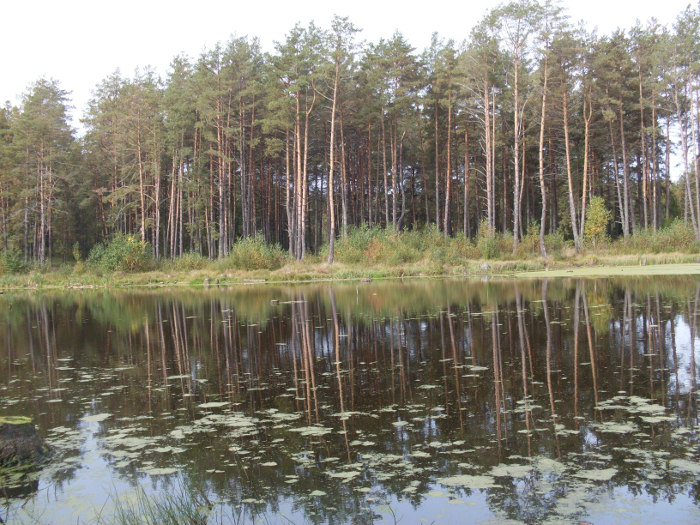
(19, 442)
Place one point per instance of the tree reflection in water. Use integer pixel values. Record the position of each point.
(534, 400)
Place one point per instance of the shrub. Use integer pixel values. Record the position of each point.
(597, 219)
(79, 267)
(76, 252)
(402, 251)
(374, 252)
(254, 253)
(12, 261)
(358, 245)
(189, 261)
(385, 246)
(486, 241)
(530, 244)
(555, 243)
(676, 237)
(124, 253)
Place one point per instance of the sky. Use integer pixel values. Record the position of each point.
(81, 42)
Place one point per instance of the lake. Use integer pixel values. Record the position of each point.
(439, 401)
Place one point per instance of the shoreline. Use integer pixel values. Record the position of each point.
(302, 273)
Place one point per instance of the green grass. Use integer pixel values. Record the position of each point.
(610, 271)
(175, 507)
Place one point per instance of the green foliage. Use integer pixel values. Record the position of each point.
(597, 219)
(254, 253)
(352, 248)
(189, 261)
(180, 505)
(486, 241)
(556, 244)
(77, 256)
(460, 250)
(385, 246)
(124, 253)
(529, 246)
(80, 266)
(12, 262)
(189, 154)
(676, 237)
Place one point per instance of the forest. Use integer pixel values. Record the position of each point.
(522, 129)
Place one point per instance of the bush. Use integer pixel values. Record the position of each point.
(676, 237)
(555, 243)
(12, 261)
(455, 251)
(189, 261)
(124, 253)
(361, 243)
(530, 244)
(254, 253)
(401, 250)
(597, 219)
(79, 267)
(486, 241)
(385, 246)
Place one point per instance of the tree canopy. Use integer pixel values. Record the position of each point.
(522, 125)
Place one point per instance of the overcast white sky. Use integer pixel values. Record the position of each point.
(80, 42)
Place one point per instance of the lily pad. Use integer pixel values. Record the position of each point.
(96, 418)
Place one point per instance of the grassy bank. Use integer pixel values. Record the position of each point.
(369, 254)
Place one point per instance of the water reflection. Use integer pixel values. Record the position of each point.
(524, 400)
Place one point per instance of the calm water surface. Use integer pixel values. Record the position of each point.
(437, 402)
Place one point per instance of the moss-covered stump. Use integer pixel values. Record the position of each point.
(19, 442)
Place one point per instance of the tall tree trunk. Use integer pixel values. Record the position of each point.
(654, 167)
(489, 158)
(42, 207)
(252, 228)
(686, 166)
(543, 193)
(642, 134)
(465, 226)
(516, 154)
(170, 232)
(370, 190)
(287, 184)
(448, 171)
(343, 179)
(297, 183)
(623, 215)
(667, 166)
(493, 163)
(393, 136)
(221, 182)
(694, 136)
(587, 114)
(629, 210)
(386, 182)
(331, 166)
(156, 195)
(572, 207)
(305, 185)
(423, 170)
(437, 166)
(142, 189)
